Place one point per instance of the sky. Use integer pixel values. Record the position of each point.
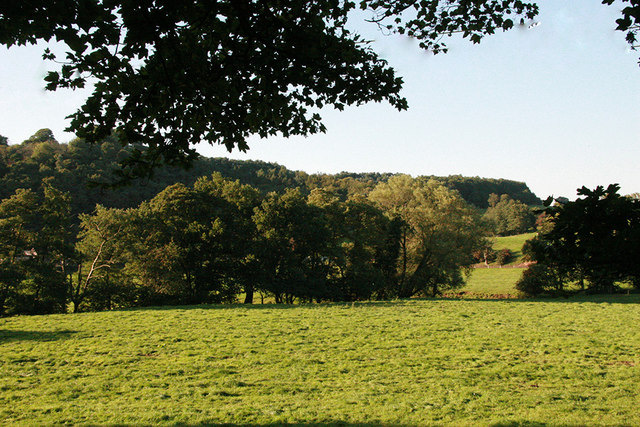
(555, 106)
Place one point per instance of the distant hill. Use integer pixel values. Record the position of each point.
(70, 167)
(273, 177)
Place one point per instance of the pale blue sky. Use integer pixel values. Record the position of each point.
(555, 106)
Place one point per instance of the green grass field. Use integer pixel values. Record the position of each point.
(485, 282)
(418, 362)
(513, 243)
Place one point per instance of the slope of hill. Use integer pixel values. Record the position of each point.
(70, 167)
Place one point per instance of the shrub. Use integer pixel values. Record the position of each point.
(538, 279)
(504, 256)
(42, 291)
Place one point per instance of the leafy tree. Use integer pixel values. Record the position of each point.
(75, 166)
(594, 238)
(438, 236)
(182, 238)
(293, 253)
(477, 190)
(630, 21)
(43, 135)
(539, 279)
(35, 247)
(493, 200)
(55, 236)
(194, 244)
(103, 239)
(241, 264)
(11, 275)
(361, 249)
(42, 290)
(172, 74)
(485, 254)
(544, 224)
(508, 216)
(39, 222)
(17, 224)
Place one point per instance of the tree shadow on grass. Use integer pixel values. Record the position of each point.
(631, 298)
(236, 306)
(526, 423)
(322, 424)
(522, 423)
(13, 335)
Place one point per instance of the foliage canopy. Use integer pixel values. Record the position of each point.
(508, 216)
(173, 74)
(594, 238)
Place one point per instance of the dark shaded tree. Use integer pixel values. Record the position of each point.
(240, 264)
(504, 256)
(540, 279)
(36, 244)
(293, 247)
(594, 241)
(362, 249)
(183, 238)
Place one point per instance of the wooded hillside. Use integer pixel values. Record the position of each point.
(73, 167)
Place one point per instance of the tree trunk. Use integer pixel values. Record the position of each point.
(108, 286)
(434, 290)
(248, 294)
(75, 293)
(403, 248)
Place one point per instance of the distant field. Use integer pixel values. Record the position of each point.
(488, 281)
(418, 362)
(496, 280)
(513, 243)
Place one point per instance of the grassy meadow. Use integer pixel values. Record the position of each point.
(488, 282)
(514, 244)
(418, 362)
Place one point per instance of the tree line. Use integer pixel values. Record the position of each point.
(217, 239)
(70, 240)
(70, 167)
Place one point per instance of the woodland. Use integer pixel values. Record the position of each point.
(224, 230)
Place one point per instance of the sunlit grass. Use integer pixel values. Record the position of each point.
(514, 244)
(497, 280)
(493, 281)
(407, 362)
